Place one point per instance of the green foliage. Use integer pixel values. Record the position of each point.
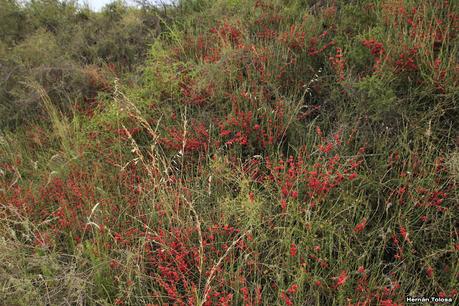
(251, 153)
(51, 43)
(377, 97)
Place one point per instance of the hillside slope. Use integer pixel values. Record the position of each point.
(248, 153)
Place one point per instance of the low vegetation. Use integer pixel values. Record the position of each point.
(229, 152)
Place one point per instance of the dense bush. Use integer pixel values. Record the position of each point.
(55, 45)
(255, 153)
